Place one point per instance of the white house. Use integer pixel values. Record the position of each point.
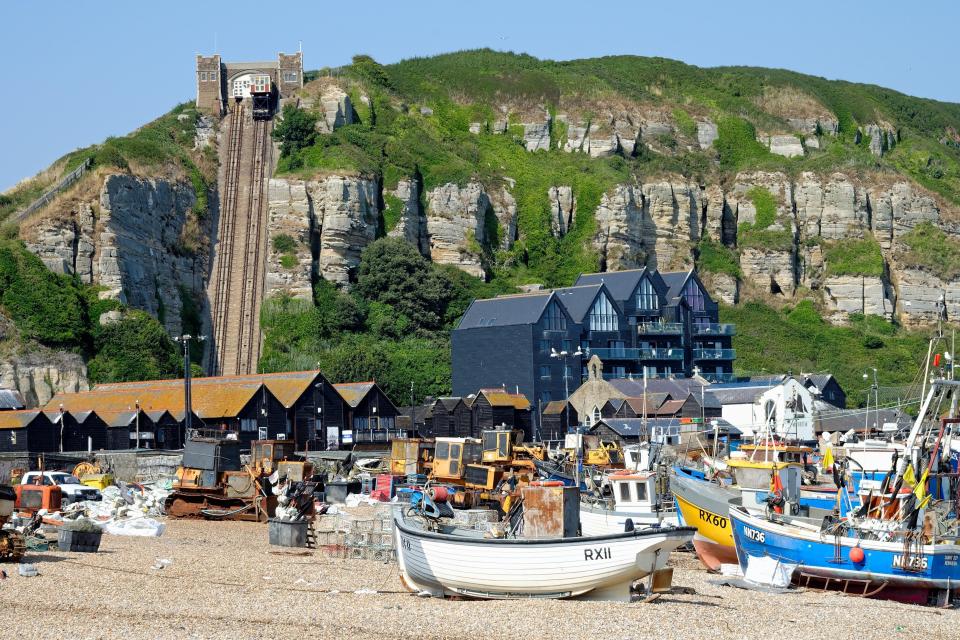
(781, 406)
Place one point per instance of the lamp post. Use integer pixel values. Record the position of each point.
(187, 400)
(564, 356)
(876, 404)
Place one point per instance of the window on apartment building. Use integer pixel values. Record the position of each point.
(568, 371)
(544, 397)
(248, 424)
(290, 76)
(568, 346)
(693, 294)
(603, 316)
(647, 296)
(544, 346)
(553, 319)
(544, 371)
(213, 76)
(203, 76)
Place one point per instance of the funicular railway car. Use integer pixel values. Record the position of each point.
(261, 94)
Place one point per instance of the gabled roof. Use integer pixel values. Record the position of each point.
(677, 388)
(653, 401)
(670, 407)
(819, 380)
(621, 284)
(353, 393)
(498, 397)
(450, 404)
(119, 418)
(579, 299)
(740, 392)
(554, 407)
(209, 400)
(10, 399)
(18, 419)
(624, 427)
(675, 281)
(505, 310)
(615, 403)
(287, 386)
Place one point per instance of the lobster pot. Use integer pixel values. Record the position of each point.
(283, 533)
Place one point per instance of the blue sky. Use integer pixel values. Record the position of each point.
(94, 69)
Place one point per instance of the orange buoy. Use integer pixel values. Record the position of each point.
(856, 555)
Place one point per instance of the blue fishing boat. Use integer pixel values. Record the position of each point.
(868, 567)
(901, 542)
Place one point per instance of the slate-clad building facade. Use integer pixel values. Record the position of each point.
(636, 322)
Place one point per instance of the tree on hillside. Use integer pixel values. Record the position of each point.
(296, 130)
(135, 348)
(394, 273)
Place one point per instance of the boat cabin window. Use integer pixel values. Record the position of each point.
(443, 450)
(624, 491)
(641, 491)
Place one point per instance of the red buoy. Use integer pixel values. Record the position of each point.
(856, 555)
(439, 494)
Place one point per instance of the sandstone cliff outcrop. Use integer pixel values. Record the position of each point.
(130, 241)
(455, 225)
(412, 221)
(40, 375)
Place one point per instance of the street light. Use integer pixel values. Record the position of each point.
(876, 403)
(187, 402)
(564, 356)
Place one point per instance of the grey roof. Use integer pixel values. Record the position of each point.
(741, 392)
(450, 403)
(677, 388)
(845, 419)
(674, 281)
(633, 427)
(621, 284)
(819, 380)
(579, 299)
(616, 403)
(505, 310)
(156, 416)
(624, 427)
(10, 399)
(122, 419)
(653, 400)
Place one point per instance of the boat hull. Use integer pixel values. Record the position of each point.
(596, 520)
(705, 507)
(600, 568)
(931, 567)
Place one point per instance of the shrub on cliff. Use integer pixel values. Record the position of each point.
(295, 131)
(135, 348)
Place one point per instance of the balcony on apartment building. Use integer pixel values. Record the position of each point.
(714, 329)
(714, 354)
(626, 353)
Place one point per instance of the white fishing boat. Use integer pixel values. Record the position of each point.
(456, 562)
(641, 498)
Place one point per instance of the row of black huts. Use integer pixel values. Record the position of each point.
(467, 417)
(303, 406)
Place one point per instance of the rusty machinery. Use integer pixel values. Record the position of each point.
(212, 483)
(12, 543)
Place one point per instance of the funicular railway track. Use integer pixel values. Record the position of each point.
(236, 288)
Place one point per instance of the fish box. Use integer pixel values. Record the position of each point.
(81, 541)
(284, 533)
(551, 512)
(338, 491)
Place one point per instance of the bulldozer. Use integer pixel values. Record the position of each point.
(212, 483)
(12, 543)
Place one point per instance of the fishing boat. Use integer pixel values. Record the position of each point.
(640, 498)
(902, 541)
(448, 561)
(705, 506)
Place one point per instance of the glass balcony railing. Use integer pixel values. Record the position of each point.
(719, 377)
(714, 329)
(714, 354)
(639, 376)
(637, 354)
(660, 328)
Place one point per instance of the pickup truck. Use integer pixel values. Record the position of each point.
(71, 488)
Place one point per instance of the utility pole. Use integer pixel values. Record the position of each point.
(187, 400)
(138, 423)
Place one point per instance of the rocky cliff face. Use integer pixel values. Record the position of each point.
(131, 239)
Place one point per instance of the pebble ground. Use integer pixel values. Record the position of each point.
(226, 581)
